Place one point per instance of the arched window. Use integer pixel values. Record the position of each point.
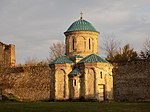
(73, 44)
(89, 44)
(101, 75)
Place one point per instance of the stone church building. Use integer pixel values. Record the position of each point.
(81, 73)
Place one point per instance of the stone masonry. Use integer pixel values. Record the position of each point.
(132, 81)
(26, 83)
(83, 41)
(7, 55)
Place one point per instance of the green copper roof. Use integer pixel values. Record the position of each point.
(77, 56)
(62, 60)
(75, 72)
(92, 58)
(81, 25)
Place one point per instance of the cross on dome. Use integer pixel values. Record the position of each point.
(81, 16)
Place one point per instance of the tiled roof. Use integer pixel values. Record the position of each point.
(75, 72)
(81, 25)
(92, 58)
(62, 60)
(76, 56)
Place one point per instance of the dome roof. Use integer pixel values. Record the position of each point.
(81, 25)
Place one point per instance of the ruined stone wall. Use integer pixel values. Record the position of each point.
(26, 83)
(7, 55)
(132, 81)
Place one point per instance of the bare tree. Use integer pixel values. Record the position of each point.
(56, 50)
(145, 54)
(34, 62)
(110, 46)
(31, 61)
(147, 45)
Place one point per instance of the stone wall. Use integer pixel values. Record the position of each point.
(7, 55)
(132, 81)
(26, 83)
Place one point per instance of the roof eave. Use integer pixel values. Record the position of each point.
(80, 30)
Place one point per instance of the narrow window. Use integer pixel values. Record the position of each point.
(89, 44)
(75, 82)
(101, 75)
(84, 45)
(73, 44)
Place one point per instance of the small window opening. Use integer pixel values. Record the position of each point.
(89, 44)
(73, 44)
(75, 83)
(101, 75)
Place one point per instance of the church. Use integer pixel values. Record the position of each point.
(81, 72)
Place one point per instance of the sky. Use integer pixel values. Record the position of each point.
(33, 25)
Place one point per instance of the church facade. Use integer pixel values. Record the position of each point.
(81, 73)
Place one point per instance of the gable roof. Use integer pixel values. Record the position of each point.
(62, 60)
(92, 58)
(75, 72)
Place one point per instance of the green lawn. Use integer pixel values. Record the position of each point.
(73, 107)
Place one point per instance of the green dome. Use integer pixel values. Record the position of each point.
(81, 25)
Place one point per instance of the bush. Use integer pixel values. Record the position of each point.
(9, 97)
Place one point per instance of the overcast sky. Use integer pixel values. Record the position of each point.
(33, 25)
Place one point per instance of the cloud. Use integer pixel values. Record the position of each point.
(36, 24)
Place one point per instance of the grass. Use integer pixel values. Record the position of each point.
(73, 107)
